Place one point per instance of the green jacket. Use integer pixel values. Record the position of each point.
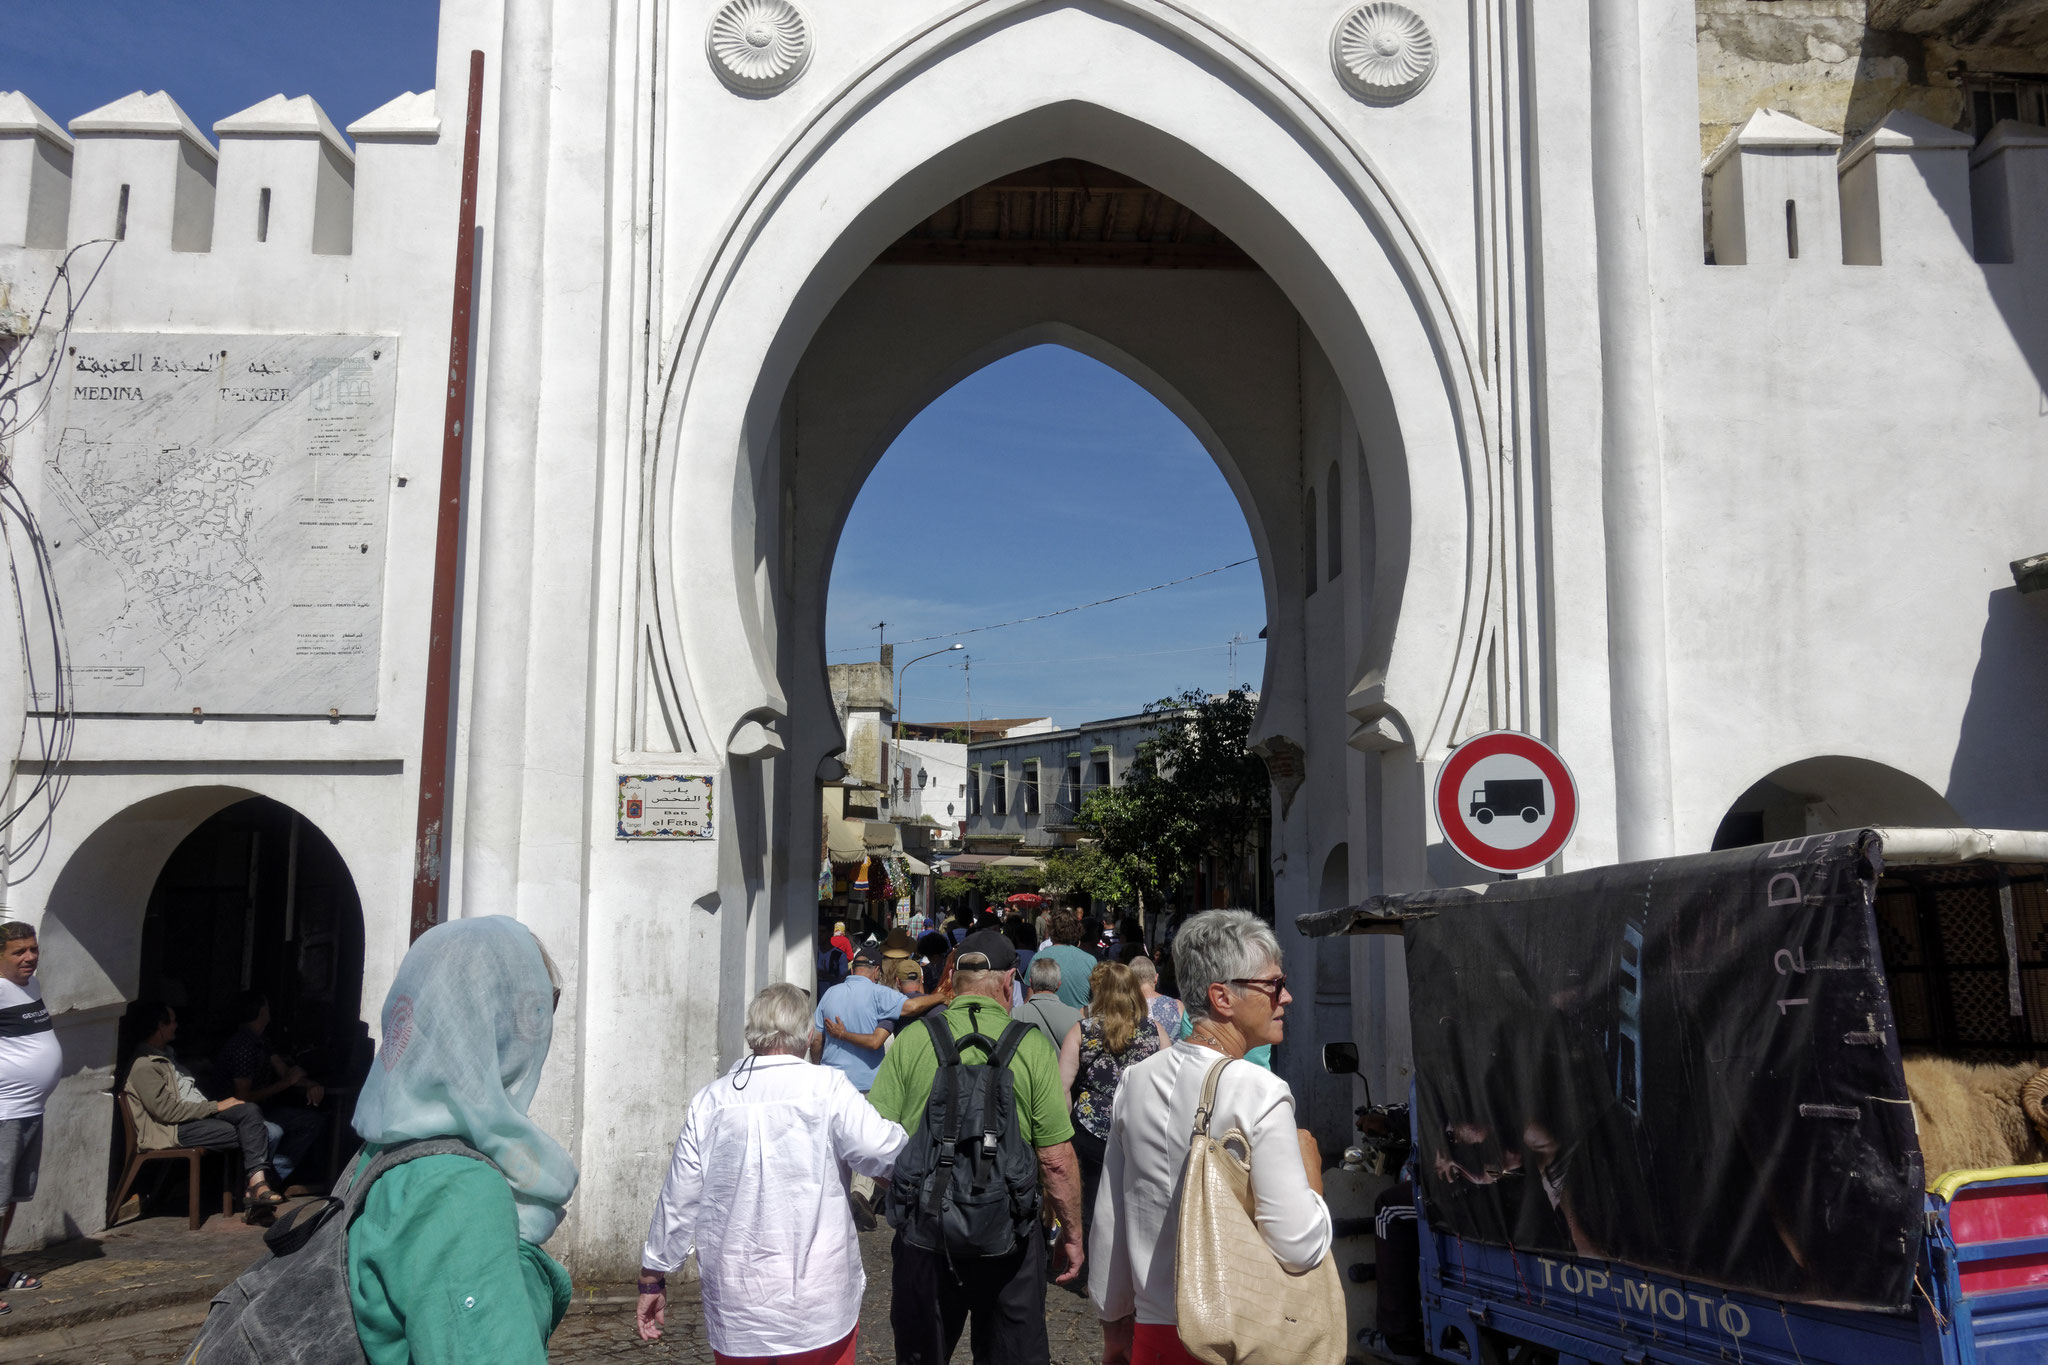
(437, 1273)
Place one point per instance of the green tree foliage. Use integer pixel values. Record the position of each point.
(1088, 869)
(997, 884)
(1196, 792)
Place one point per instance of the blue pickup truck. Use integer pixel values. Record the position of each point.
(1660, 1114)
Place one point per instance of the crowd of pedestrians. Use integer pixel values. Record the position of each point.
(1017, 1134)
(1026, 1132)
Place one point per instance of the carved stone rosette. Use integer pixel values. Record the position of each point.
(1383, 52)
(758, 46)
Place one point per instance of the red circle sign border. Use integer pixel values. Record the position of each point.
(1564, 792)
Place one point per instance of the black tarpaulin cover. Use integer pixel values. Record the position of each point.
(1686, 1065)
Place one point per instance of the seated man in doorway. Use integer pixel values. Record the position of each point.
(251, 1069)
(171, 1111)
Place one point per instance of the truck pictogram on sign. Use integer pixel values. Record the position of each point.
(1508, 796)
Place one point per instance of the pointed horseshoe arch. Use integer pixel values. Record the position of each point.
(1287, 184)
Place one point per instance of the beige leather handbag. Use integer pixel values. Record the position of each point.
(1236, 1304)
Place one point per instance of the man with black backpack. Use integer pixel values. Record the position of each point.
(990, 1137)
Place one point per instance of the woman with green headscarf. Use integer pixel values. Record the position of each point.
(444, 1260)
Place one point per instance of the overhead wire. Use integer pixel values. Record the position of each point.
(1063, 611)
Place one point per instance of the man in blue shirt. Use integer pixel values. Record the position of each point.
(848, 1030)
(852, 1021)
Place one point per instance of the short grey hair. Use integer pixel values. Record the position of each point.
(1215, 947)
(983, 982)
(779, 1020)
(1142, 968)
(1045, 973)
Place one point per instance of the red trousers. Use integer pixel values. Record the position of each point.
(839, 1352)
(1156, 1343)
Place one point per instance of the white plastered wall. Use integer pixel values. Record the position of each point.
(1850, 456)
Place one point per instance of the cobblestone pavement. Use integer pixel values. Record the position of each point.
(593, 1331)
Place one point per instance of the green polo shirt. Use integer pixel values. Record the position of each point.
(905, 1081)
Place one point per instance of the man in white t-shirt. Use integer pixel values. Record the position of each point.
(30, 1063)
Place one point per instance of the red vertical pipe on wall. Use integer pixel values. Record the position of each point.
(431, 841)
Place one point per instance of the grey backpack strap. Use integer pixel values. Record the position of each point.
(397, 1154)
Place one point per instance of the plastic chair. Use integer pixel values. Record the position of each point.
(137, 1158)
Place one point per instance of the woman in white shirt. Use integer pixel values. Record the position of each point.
(1228, 963)
(758, 1190)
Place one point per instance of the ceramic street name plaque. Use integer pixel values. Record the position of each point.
(653, 806)
(215, 507)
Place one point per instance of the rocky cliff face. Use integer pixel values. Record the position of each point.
(1844, 64)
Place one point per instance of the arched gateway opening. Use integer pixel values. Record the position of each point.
(885, 254)
(1074, 254)
(1042, 481)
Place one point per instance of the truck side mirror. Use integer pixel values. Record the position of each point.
(1340, 1059)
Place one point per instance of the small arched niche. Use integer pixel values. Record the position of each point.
(1830, 792)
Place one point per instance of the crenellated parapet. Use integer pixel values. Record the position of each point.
(2009, 193)
(1908, 192)
(389, 142)
(287, 180)
(282, 182)
(1772, 187)
(35, 174)
(142, 173)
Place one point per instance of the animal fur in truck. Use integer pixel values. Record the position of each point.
(1976, 1116)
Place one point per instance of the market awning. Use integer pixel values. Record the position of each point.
(961, 863)
(917, 869)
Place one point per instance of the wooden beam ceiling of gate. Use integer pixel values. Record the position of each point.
(1068, 213)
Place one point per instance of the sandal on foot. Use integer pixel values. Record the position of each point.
(21, 1279)
(262, 1194)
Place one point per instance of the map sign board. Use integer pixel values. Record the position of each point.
(215, 507)
(1506, 802)
(653, 806)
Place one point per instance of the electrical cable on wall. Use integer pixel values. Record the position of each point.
(48, 723)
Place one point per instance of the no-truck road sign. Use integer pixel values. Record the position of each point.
(1506, 802)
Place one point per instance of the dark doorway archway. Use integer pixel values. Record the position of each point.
(257, 898)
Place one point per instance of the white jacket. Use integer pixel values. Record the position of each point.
(758, 1190)
(1137, 1207)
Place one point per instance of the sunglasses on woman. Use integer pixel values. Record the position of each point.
(1272, 987)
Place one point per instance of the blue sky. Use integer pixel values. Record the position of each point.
(1067, 483)
(1046, 480)
(217, 57)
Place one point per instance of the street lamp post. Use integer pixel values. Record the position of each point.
(899, 681)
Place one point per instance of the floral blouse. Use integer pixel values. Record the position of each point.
(1102, 1072)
